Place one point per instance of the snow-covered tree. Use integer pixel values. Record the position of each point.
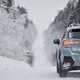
(22, 10)
(17, 33)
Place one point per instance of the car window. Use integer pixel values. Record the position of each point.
(74, 34)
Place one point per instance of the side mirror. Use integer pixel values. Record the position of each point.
(56, 41)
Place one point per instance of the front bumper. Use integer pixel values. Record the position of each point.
(70, 64)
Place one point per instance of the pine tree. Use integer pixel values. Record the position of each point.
(9, 3)
(22, 10)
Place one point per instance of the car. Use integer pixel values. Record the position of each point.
(68, 51)
(29, 57)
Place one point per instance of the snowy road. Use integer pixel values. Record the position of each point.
(15, 70)
(42, 70)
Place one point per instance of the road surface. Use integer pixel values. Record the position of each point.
(42, 70)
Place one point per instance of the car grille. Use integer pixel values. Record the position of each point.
(76, 50)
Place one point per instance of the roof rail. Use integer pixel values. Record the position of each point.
(71, 25)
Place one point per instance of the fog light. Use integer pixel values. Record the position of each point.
(66, 64)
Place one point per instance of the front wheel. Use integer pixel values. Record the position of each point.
(62, 73)
(57, 64)
(57, 67)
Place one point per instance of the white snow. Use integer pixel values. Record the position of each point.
(15, 38)
(42, 70)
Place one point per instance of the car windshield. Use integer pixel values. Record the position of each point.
(74, 34)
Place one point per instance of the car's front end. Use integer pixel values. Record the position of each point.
(70, 58)
(70, 50)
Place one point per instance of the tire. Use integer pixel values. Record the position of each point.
(62, 73)
(57, 64)
(57, 67)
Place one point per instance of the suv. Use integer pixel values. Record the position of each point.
(68, 51)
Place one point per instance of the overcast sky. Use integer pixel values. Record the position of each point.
(42, 12)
